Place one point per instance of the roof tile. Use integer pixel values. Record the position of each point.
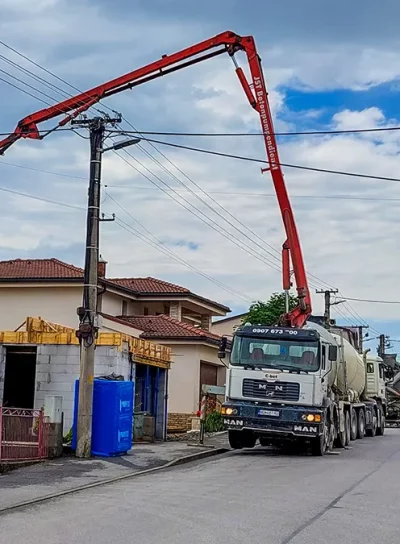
(148, 285)
(38, 269)
(163, 326)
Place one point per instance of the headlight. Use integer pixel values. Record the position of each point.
(311, 417)
(228, 411)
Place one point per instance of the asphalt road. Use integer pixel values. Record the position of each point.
(253, 497)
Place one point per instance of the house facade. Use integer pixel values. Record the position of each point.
(228, 325)
(146, 308)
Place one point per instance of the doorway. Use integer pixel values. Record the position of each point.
(19, 377)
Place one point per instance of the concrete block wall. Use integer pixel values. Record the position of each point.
(57, 368)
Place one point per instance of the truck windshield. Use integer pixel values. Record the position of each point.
(278, 354)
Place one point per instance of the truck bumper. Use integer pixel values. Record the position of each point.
(284, 422)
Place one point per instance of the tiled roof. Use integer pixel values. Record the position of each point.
(163, 326)
(53, 269)
(38, 269)
(148, 285)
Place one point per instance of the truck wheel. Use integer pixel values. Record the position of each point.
(347, 428)
(360, 424)
(353, 424)
(235, 440)
(381, 428)
(372, 432)
(248, 440)
(319, 444)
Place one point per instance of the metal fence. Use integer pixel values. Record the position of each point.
(24, 434)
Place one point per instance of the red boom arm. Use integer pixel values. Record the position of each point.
(258, 98)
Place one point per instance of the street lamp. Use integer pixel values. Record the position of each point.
(122, 145)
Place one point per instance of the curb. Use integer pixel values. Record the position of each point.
(175, 462)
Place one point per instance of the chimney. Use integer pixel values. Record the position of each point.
(101, 270)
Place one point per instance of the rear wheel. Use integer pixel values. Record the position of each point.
(347, 427)
(372, 432)
(360, 424)
(381, 428)
(353, 424)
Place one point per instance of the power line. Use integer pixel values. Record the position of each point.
(262, 161)
(373, 301)
(41, 171)
(24, 91)
(177, 257)
(271, 195)
(42, 199)
(253, 234)
(293, 133)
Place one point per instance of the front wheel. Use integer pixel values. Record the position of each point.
(235, 440)
(319, 444)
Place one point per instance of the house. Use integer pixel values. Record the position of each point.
(227, 325)
(42, 359)
(140, 307)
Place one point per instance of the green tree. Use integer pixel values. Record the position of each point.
(268, 313)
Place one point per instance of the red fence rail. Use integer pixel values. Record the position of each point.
(24, 434)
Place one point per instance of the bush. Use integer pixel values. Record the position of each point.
(67, 439)
(214, 422)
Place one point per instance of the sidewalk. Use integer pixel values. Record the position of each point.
(66, 473)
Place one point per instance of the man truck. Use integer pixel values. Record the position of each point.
(307, 384)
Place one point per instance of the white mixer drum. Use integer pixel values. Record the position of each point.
(355, 368)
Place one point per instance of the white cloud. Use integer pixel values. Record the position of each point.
(351, 244)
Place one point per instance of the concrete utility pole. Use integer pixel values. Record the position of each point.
(88, 326)
(327, 295)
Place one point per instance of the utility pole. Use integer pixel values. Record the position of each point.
(327, 295)
(88, 326)
(382, 346)
(360, 336)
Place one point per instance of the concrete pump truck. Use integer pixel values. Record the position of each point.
(295, 380)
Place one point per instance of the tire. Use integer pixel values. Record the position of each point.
(347, 427)
(235, 440)
(360, 424)
(353, 424)
(264, 441)
(380, 431)
(319, 444)
(340, 441)
(372, 432)
(248, 440)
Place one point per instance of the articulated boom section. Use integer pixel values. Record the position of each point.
(227, 42)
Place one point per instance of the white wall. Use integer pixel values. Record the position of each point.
(57, 304)
(57, 368)
(226, 326)
(184, 376)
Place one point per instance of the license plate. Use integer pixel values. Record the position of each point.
(271, 413)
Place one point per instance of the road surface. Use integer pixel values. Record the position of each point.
(256, 497)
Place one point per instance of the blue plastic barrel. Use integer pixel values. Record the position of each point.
(112, 417)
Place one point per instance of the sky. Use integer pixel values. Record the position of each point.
(324, 71)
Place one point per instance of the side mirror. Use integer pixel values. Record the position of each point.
(222, 348)
(332, 353)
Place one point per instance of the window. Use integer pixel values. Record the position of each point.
(124, 307)
(271, 353)
(370, 368)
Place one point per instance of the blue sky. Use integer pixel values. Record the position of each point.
(323, 71)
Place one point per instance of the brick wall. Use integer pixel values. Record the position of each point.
(178, 423)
